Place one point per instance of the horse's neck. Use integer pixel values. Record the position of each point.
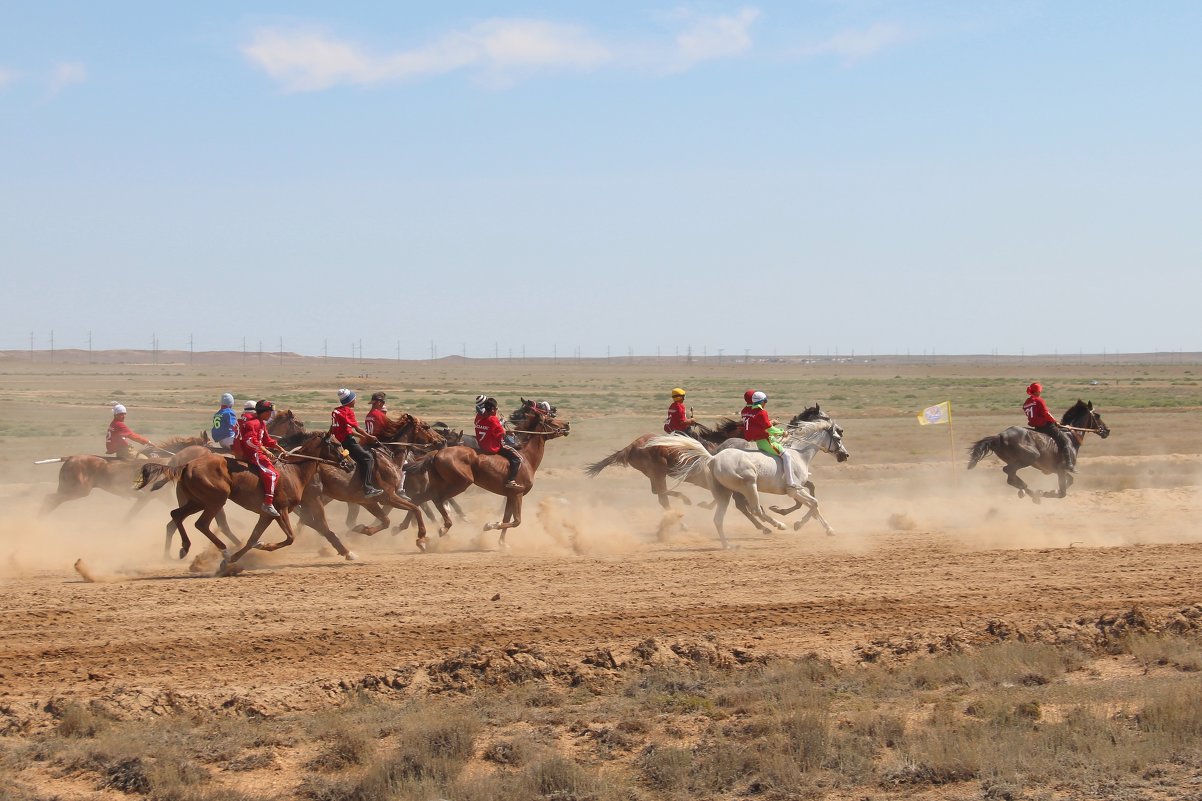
(805, 451)
(533, 449)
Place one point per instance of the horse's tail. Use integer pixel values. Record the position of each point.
(618, 457)
(157, 472)
(691, 456)
(983, 448)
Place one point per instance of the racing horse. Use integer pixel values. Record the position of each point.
(1019, 447)
(656, 462)
(206, 484)
(750, 472)
(452, 470)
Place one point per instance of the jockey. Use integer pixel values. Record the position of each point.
(678, 421)
(490, 433)
(225, 423)
(759, 428)
(1041, 420)
(248, 411)
(253, 444)
(119, 435)
(377, 418)
(343, 426)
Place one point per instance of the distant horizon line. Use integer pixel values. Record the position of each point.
(167, 357)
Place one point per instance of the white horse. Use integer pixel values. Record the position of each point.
(750, 472)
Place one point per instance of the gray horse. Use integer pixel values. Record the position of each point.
(749, 473)
(1021, 447)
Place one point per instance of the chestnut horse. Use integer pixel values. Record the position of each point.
(450, 471)
(206, 484)
(404, 432)
(1020, 447)
(81, 474)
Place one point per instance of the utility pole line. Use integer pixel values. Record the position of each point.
(89, 347)
(52, 346)
(281, 351)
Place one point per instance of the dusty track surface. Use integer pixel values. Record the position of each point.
(907, 572)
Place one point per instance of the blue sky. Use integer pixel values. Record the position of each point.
(877, 176)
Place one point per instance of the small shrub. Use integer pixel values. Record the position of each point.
(79, 721)
(665, 767)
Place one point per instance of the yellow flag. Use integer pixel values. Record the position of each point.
(934, 415)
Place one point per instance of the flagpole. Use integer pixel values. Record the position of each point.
(951, 442)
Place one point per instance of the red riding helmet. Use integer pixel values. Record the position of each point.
(1035, 388)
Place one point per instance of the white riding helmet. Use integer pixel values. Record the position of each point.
(118, 409)
(758, 397)
(249, 406)
(227, 399)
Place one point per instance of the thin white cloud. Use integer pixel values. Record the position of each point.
(710, 37)
(307, 61)
(854, 45)
(67, 73)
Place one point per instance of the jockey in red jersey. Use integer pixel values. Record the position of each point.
(344, 427)
(490, 434)
(678, 421)
(759, 428)
(248, 411)
(254, 445)
(377, 418)
(119, 435)
(1042, 420)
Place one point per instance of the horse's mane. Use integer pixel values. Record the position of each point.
(1075, 413)
(299, 438)
(177, 444)
(810, 414)
(393, 425)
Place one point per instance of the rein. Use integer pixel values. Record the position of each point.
(311, 459)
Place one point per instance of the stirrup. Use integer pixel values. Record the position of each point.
(512, 485)
(372, 492)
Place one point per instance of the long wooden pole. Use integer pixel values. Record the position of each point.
(951, 441)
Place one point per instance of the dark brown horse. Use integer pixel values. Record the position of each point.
(448, 472)
(206, 484)
(1021, 447)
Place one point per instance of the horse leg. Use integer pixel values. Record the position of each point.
(751, 492)
(683, 498)
(378, 511)
(202, 525)
(1066, 480)
(137, 506)
(721, 501)
(512, 518)
(316, 513)
(812, 503)
(1013, 480)
(177, 519)
(403, 502)
(741, 505)
(441, 506)
(457, 509)
(224, 525)
(352, 516)
(251, 541)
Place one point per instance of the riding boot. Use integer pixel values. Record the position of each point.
(511, 478)
(786, 465)
(367, 469)
(1070, 461)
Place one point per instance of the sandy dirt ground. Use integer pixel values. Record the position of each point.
(923, 555)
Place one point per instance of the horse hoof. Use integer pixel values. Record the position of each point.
(421, 544)
(183, 552)
(491, 526)
(442, 532)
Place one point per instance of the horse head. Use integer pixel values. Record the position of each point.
(1082, 414)
(541, 417)
(284, 424)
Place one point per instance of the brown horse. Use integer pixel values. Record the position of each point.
(81, 474)
(450, 471)
(402, 434)
(206, 484)
(284, 425)
(1021, 447)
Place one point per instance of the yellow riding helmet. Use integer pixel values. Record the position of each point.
(678, 392)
